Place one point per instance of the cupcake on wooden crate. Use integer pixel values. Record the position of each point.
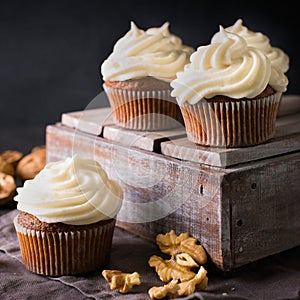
(137, 77)
(66, 218)
(229, 94)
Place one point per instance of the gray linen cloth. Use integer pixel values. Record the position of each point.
(276, 277)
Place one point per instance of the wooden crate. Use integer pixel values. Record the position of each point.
(242, 204)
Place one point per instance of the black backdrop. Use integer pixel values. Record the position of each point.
(50, 51)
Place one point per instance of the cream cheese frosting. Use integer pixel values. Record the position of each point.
(74, 191)
(226, 67)
(155, 52)
(279, 59)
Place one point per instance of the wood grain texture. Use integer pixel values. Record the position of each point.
(90, 121)
(147, 140)
(264, 206)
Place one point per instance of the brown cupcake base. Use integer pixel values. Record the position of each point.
(144, 109)
(235, 123)
(58, 252)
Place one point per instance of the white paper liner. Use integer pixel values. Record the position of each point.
(237, 123)
(144, 110)
(65, 253)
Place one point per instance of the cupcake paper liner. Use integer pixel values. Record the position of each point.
(65, 253)
(144, 110)
(236, 123)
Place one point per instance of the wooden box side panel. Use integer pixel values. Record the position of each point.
(160, 193)
(199, 213)
(265, 208)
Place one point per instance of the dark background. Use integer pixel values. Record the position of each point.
(50, 51)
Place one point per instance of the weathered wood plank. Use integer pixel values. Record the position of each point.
(90, 121)
(265, 207)
(147, 140)
(287, 139)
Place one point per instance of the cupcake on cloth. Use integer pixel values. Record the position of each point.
(229, 94)
(66, 218)
(279, 59)
(137, 77)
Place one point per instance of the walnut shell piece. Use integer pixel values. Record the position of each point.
(31, 164)
(7, 188)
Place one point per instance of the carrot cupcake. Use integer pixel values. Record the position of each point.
(229, 94)
(67, 217)
(137, 77)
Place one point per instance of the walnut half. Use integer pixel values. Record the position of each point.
(11, 157)
(6, 167)
(31, 164)
(172, 244)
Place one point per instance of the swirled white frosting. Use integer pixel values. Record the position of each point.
(154, 52)
(279, 59)
(74, 191)
(226, 67)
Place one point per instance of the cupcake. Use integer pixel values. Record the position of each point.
(137, 76)
(229, 94)
(66, 218)
(279, 59)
